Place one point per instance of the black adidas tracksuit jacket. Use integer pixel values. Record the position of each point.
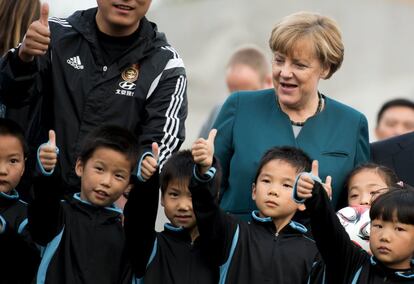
(144, 90)
(345, 262)
(252, 252)
(81, 243)
(19, 257)
(162, 257)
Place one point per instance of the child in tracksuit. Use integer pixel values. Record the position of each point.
(271, 248)
(83, 237)
(177, 254)
(391, 236)
(18, 254)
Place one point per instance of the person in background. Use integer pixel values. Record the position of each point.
(397, 154)
(396, 117)
(247, 69)
(107, 64)
(306, 47)
(15, 18)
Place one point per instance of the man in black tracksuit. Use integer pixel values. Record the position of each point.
(103, 65)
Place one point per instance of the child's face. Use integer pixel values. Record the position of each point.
(104, 176)
(364, 187)
(273, 190)
(11, 162)
(392, 243)
(178, 205)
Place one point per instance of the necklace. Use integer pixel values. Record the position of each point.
(318, 110)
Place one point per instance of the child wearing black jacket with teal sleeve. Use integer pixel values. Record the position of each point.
(177, 254)
(391, 236)
(272, 248)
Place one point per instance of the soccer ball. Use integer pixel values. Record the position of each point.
(356, 222)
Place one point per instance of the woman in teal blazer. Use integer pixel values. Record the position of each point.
(307, 47)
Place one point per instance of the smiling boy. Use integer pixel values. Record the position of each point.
(82, 237)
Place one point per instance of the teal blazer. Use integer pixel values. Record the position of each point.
(250, 123)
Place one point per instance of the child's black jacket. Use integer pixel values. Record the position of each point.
(82, 243)
(252, 252)
(345, 262)
(162, 257)
(18, 254)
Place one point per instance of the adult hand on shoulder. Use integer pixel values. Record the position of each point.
(203, 151)
(306, 183)
(150, 163)
(48, 152)
(37, 38)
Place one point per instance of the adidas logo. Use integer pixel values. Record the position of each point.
(75, 62)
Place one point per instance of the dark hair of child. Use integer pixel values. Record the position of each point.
(394, 205)
(387, 174)
(112, 137)
(180, 167)
(9, 127)
(291, 155)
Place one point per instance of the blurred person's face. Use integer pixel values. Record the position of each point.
(396, 120)
(120, 17)
(364, 187)
(392, 243)
(241, 77)
(296, 76)
(11, 162)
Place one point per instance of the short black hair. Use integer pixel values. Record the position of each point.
(180, 167)
(10, 127)
(110, 136)
(294, 156)
(396, 203)
(399, 102)
(387, 174)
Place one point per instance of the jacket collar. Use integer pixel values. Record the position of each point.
(86, 204)
(178, 232)
(292, 226)
(84, 22)
(8, 199)
(392, 273)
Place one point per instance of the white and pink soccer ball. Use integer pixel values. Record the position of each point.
(356, 222)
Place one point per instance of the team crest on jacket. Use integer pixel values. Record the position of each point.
(129, 76)
(131, 73)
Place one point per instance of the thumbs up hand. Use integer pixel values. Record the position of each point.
(203, 151)
(48, 153)
(150, 163)
(37, 38)
(305, 183)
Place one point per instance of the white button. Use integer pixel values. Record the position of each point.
(105, 68)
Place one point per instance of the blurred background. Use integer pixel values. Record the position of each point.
(378, 37)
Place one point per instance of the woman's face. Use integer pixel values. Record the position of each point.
(296, 76)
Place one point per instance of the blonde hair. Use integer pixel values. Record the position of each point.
(252, 56)
(15, 18)
(322, 31)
